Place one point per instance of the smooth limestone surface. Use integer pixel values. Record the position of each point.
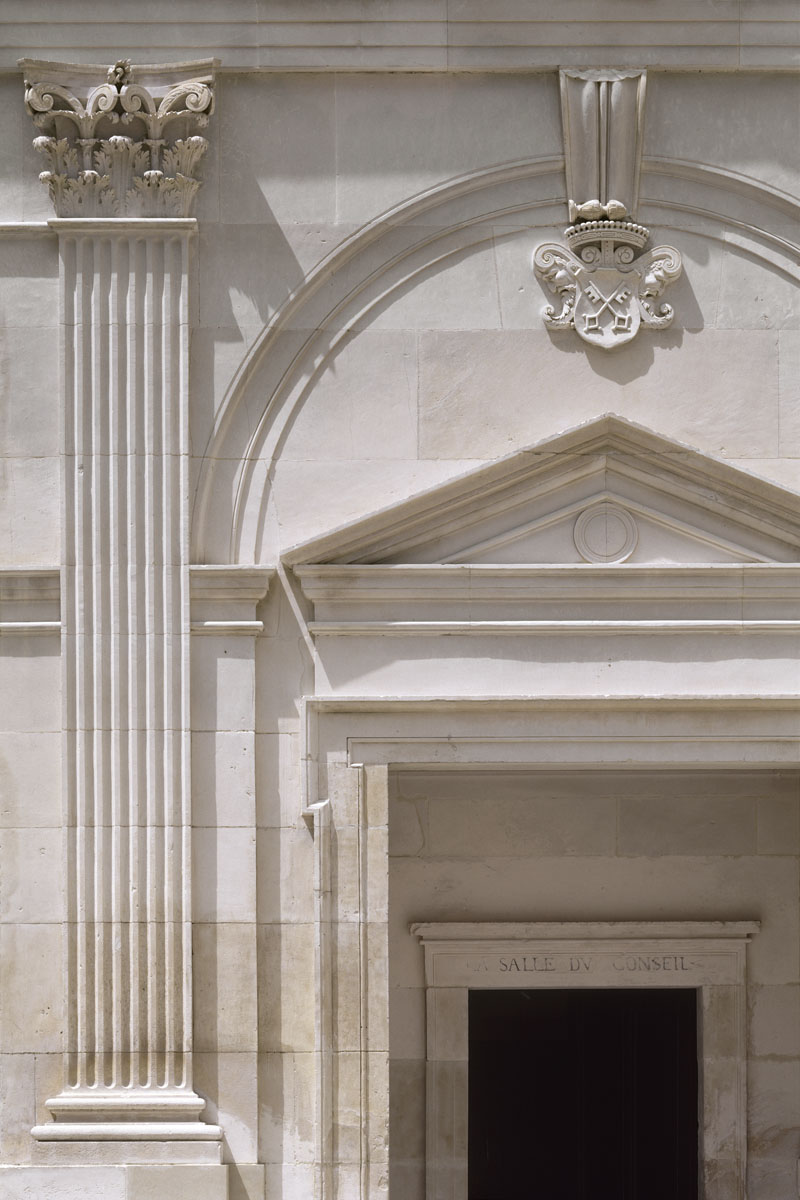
(445, 366)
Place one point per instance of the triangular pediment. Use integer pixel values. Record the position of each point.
(608, 492)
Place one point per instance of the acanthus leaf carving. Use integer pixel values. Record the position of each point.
(122, 147)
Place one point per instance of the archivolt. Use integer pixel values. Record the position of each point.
(369, 269)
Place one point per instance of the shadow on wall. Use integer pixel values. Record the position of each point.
(246, 269)
(622, 366)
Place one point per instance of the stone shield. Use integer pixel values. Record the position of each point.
(607, 310)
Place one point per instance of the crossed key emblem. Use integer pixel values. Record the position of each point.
(623, 320)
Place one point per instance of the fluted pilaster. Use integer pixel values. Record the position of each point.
(125, 605)
(126, 664)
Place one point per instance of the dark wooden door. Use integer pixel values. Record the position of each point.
(583, 1094)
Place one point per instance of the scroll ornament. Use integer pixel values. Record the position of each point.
(114, 154)
(606, 294)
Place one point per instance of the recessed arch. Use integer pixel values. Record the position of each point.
(425, 233)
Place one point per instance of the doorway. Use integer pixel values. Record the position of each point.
(583, 1094)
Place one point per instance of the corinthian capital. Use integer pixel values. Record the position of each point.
(121, 141)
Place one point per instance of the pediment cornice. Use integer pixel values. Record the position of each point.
(689, 508)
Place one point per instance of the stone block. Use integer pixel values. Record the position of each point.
(347, 1129)
(17, 1106)
(376, 868)
(30, 684)
(346, 1000)
(286, 971)
(407, 1112)
(281, 656)
(70, 1183)
(286, 169)
(246, 1181)
(779, 825)
(771, 1178)
(289, 1179)
(229, 1084)
(346, 897)
(287, 1113)
(749, 112)
(29, 528)
(223, 779)
(48, 1079)
(160, 1182)
(378, 130)
(456, 291)
(753, 297)
(651, 383)
(364, 403)
(285, 875)
(31, 988)
(406, 1022)
(217, 353)
(773, 1107)
(224, 870)
(692, 824)
(278, 800)
(376, 1015)
(222, 682)
(789, 384)
(775, 1021)
(246, 271)
(28, 418)
(224, 987)
(30, 779)
(407, 1179)
(13, 136)
(526, 822)
(408, 825)
(31, 875)
(448, 1025)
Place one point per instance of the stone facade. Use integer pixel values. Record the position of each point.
(399, 573)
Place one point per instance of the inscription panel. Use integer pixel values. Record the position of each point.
(623, 965)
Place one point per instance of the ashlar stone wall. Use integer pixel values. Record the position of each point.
(450, 368)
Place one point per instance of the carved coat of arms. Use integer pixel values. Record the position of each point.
(606, 293)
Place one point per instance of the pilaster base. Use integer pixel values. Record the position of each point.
(121, 1125)
(86, 1144)
(115, 1182)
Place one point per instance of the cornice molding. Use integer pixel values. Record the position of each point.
(120, 140)
(30, 600)
(225, 598)
(583, 599)
(723, 499)
(718, 35)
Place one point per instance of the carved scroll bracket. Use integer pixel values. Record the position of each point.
(120, 142)
(605, 292)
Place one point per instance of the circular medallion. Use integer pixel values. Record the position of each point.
(605, 533)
